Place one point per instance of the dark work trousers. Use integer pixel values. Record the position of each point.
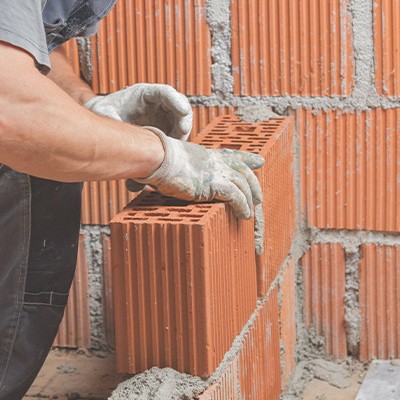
(39, 230)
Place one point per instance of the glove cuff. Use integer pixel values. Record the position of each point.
(90, 103)
(165, 166)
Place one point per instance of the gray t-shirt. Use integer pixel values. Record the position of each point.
(40, 26)
(21, 24)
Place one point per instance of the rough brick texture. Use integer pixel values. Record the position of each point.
(299, 47)
(255, 372)
(387, 46)
(184, 283)
(287, 322)
(379, 302)
(154, 41)
(349, 169)
(324, 284)
(273, 140)
(74, 330)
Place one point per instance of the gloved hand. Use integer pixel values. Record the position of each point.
(193, 172)
(148, 104)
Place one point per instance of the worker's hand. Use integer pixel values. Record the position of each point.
(193, 172)
(148, 104)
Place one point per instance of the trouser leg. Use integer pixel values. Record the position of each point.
(55, 214)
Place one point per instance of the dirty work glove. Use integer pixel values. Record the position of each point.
(148, 104)
(195, 173)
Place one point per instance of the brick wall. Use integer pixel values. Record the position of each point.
(331, 65)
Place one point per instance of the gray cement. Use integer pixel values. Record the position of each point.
(382, 381)
(352, 317)
(85, 58)
(218, 19)
(94, 251)
(159, 384)
(256, 113)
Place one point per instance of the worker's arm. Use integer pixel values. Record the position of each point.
(63, 75)
(45, 133)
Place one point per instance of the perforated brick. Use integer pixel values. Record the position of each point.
(184, 283)
(273, 140)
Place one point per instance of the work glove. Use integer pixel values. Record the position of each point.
(148, 104)
(193, 172)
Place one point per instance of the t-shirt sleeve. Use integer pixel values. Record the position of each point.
(21, 24)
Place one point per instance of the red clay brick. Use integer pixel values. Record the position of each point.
(324, 279)
(259, 361)
(226, 387)
(184, 283)
(287, 319)
(154, 41)
(273, 140)
(74, 330)
(255, 372)
(202, 116)
(379, 302)
(295, 47)
(387, 46)
(349, 169)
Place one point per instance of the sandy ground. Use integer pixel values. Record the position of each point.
(70, 375)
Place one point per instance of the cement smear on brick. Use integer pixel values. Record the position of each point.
(94, 251)
(218, 19)
(159, 384)
(85, 59)
(352, 315)
(256, 113)
(324, 370)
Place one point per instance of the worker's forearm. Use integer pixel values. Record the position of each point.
(63, 76)
(45, 133)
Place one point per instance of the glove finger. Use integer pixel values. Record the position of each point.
(134, 186)
(241, 182)
(254, 184)
(170, 99)
(253, 161)
(228, 191)
(184, 126)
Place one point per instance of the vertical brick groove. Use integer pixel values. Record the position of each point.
(292, 47)
(349, 169)
(184, 283)
(273, 140)
(154, 41)
(379, 299)
(387, 47)
(74, 330)
(324, 270)
(287, 319)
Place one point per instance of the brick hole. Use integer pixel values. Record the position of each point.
(146, 209)
(187, 215)
(135, 219)
(230, 146)
(156, 214)
(170, 219)
(245, 128)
